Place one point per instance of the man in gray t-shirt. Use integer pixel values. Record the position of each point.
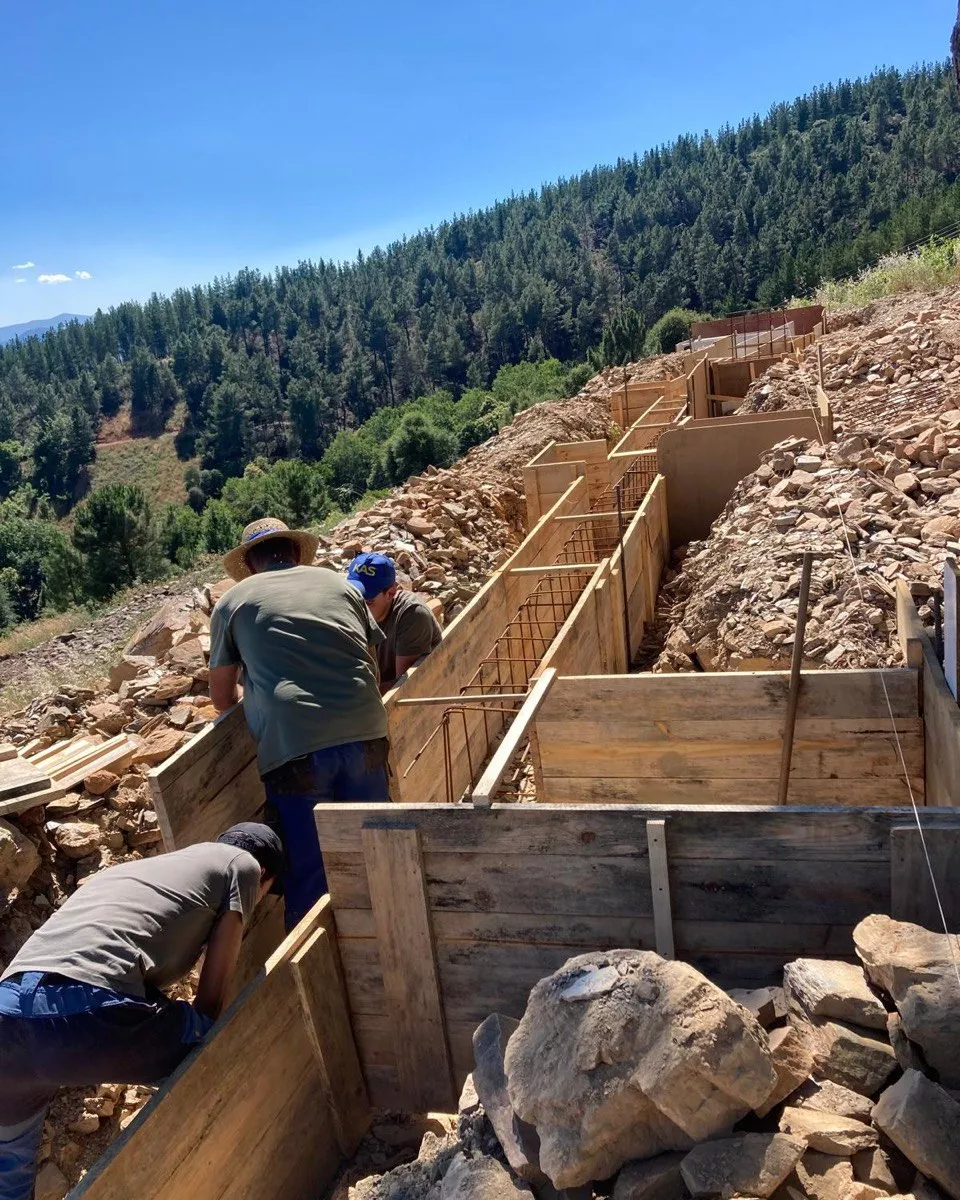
(304, 644)
(410, 630)
(80, 1004)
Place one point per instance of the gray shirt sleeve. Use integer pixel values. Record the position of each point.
(243, 883)
(223, 649)
(416, 632)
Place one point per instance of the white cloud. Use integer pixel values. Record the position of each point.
(23, 266)
(83, 274)
(19, 281)
(53, 279)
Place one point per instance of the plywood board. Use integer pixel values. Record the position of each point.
(258, 1128)
(397, 890)
(925, 866)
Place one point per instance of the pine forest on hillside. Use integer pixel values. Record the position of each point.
(470, 321)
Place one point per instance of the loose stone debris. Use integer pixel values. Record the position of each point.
(641, 1080)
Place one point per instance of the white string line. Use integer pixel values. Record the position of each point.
(886, 695)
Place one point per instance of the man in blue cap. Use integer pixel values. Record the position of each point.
(303, 643)
(410, 629)
(81, 1003)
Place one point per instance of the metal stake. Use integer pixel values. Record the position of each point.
(794, 695)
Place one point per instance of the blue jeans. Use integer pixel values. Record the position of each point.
(55, 1032)
(356, 773)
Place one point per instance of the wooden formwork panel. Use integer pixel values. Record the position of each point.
(669, 739)
(511, 892)
(421, 774)
(267, 1107)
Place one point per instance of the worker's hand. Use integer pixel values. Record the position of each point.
(219, 963)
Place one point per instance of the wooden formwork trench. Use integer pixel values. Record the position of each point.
(440, 915)
(466, 908)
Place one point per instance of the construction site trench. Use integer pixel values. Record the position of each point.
(551, 802)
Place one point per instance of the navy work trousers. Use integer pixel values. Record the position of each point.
(356, 773)
(55, 1032)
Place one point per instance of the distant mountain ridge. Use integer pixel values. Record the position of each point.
(37, 328)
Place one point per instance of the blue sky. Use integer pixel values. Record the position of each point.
(155, 145)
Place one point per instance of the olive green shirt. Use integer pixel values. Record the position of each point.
(306, 642)
(410, 630)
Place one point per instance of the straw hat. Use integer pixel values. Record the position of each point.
(235, 563)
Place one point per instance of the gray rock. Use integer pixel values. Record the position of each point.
(481, 1178)
(848, 1056)
(828, 1132)
(882, 1169)
(923, 1122)
(657, 1063)
(753, 1164)
(518, 1140)
(831, 1097)
(767, 1004)
(908, 1055)
(792, 1061)
(653, 1179)
(18, 860)
(833, 990)
(918, 970)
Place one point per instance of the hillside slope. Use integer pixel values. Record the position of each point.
(878, 503)
(276, 364)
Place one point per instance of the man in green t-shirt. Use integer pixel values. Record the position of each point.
(410, 630)
(306, 644)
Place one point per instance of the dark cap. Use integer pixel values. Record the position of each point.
(265, 846)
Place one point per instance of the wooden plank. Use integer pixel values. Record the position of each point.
(317, 974)
(721, 889)
(198, 789)
(951, 624)
(581, 933)
(840, 758)
(7, 751)
(660, 887)
(261, 938)
(397, 889)
(19, 777)
(913, 897)
(749, 694)
(492, 777)
(866, 793)
(267, 1104)
(705, 831)
(239, 799)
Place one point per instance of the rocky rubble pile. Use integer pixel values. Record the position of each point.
(888, 495)
(892, 373)
(633, 1077)
(894, 360)
(648, 370)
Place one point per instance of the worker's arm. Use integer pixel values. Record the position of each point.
(224, 692)
(406, 661)
(219, 962)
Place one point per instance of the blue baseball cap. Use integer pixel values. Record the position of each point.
(372, 574)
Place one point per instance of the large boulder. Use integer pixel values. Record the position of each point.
(623, 1055)
(923, 1122)
(919, 971)
(18, 860)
